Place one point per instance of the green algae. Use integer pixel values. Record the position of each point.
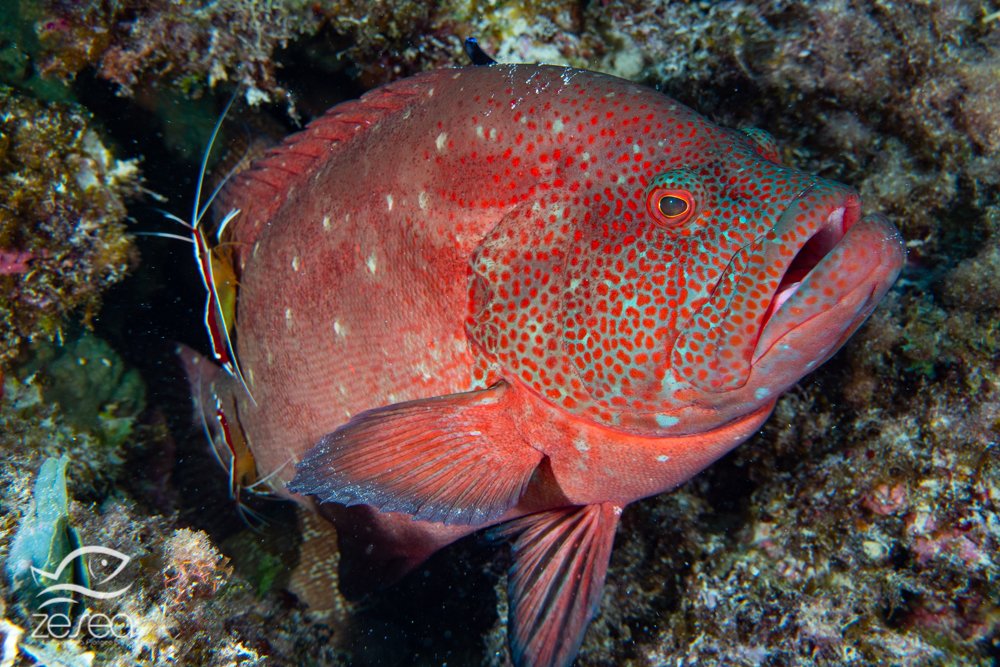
(43, 539)
(93, 387)
(77, 400)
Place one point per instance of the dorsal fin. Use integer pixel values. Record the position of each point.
(476, 55)
(259, 191)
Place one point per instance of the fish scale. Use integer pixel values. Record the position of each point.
(526, 295)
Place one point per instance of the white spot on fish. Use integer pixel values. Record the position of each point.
(430, 92)
(558, 126)
(296, 263)
(270, 358)
(441, 141)
(666, 420)
(288, 317)
(662, 458)
(388, 201)
(761, 392)
(480, 132)
(422, 199)
(636, 149)
(581, 446)
(256, 247)
(339, 329)
(493, 134)
(327, 225)
(372, 263)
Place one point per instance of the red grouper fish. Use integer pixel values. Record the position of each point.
(526, 296)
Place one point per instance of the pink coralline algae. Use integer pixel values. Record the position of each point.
(885, 499)
(13, 262)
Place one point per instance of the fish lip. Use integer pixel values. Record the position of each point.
(812, 252)
(873, 252)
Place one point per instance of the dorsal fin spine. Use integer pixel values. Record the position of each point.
(259, 190)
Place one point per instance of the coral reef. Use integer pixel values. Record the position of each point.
(62, 231)
(860, 527)
(183, 602)
(195, 45)
(34, 425)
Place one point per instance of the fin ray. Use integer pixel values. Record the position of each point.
(555, 584)
(261, 190)
(454, 459)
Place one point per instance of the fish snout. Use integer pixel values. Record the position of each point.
(715, 353)
(830, 288)
(806, 289)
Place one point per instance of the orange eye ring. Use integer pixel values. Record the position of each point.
(670, 207)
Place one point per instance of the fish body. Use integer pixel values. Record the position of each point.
(527, 296)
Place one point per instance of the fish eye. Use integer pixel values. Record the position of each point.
(670, 207)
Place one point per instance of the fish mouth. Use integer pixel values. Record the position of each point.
(830, 286)
(813, 251)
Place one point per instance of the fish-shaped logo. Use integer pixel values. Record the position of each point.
(101, 570)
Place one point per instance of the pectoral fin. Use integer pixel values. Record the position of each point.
(560, 561)
(455, 459)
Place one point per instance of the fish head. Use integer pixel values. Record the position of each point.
(778, 268)
(690, 285)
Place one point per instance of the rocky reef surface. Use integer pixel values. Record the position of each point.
(861, 525)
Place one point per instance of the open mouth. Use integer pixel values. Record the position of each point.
(812, 252)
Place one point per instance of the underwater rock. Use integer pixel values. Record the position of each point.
(77, 400)
(62, 231)
(90, 383)
(198, 45)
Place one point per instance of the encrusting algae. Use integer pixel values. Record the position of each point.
(62, 222)
(860, 527)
